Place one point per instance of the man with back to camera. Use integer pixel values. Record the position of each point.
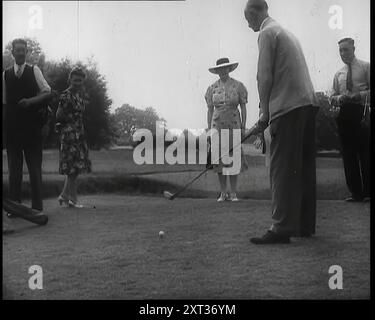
(351, 94)
(288, 106)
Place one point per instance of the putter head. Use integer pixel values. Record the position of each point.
(168, 195)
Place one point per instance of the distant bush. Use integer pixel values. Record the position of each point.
(327, 137)
(99, 131)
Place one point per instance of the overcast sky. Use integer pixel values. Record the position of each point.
(158, 53)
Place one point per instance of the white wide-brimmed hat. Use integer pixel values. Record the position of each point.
(222, 63)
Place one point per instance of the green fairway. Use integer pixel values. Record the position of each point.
(114, 252)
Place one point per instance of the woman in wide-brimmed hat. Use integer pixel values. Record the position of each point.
(223, 98)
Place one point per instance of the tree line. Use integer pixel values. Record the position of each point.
(105, 128)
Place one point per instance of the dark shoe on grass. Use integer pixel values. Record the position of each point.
(37, 212)
(12, 216)
(354, 199)
(305, 234)
(7, 231)
(271, 238)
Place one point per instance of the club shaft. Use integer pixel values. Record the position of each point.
(190, 183)
(205, 170)
(238, 144)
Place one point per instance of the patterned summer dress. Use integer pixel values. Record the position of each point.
(225, 99)
(74, 153)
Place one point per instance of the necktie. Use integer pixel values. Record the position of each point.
(349, 80)
(19, 72)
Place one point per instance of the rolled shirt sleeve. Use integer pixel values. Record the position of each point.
(361, 82)
(41, 81)
(334, 98)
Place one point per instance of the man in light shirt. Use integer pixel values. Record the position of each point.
(351, 93)
(288, 104)
(25, 91)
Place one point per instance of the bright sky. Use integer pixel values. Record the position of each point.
(158, 53)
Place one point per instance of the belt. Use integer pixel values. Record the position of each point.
(225, 106)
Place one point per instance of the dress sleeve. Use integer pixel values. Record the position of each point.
(242, 93)
(208, 98)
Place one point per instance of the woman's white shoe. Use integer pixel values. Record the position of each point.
(223, 197)
(62, 200)
(233, 197)
(72, 204)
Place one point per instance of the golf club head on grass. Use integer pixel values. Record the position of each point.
(168, 195)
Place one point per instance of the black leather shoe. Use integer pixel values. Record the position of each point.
(271, 238)
(8, 231)
(353, 199)
(12, 216)
(304, 234)
(37, 212)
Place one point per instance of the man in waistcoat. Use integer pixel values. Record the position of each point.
(25, 92)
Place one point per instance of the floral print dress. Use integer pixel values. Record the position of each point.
(74, 153)
(225, 98)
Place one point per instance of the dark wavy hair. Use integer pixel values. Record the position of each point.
(19, 41)
(349, 40)
(77, 71)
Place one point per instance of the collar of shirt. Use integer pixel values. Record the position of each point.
(16, 67)
(354, 61)
(264, 23)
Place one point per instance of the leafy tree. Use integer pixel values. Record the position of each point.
(100, 133)
(127, 119)
(97, 115)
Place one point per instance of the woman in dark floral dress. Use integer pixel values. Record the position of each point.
(74, 153)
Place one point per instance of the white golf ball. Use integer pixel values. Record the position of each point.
(161, 234)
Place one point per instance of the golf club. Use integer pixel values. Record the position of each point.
(171, 196)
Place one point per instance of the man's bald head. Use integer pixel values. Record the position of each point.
(255, 12)
(259, 5)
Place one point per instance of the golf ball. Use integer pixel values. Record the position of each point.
(161, 234)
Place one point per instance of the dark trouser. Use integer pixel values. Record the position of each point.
(355, 146)
(31, 147)
(293, 172)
